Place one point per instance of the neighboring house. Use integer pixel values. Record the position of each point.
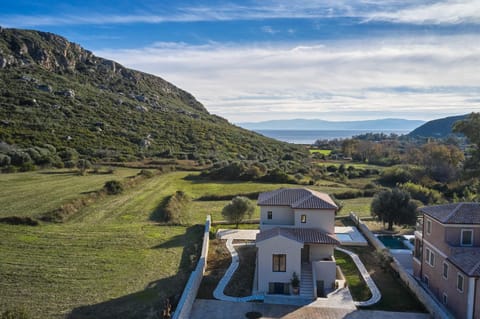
(447, 256)
(296, 235)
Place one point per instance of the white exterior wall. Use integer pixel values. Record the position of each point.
(320, 219)
(319, 252)
(281, 216)
(326, 271)
(273, 246)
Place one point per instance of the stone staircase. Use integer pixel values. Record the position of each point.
(306, 281)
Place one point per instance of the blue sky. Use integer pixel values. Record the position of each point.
(274, 59)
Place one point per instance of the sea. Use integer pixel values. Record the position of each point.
(309, 137)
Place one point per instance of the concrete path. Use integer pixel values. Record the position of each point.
(240, 234)
(218, 292)
(376, 295)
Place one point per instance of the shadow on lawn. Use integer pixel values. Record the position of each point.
(150, 302)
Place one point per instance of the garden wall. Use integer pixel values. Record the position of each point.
(185, 304)
(432, 306)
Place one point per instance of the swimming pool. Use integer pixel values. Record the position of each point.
(344, 237)
(393, 241)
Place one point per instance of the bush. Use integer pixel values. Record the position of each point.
(422, 193)
(146, 173)
(395, 175)
(177, 209)
(113, 187)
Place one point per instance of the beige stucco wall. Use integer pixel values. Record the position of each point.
(281, 216)
(326, 271)
(319, 252)
(316, 218)
(477, 299)
(277, 245)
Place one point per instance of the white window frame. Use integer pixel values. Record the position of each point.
(445, 298)
(270, 215)
(459, 275)
(303, 218)
(471, 237)
(430, 257)
(443, 270)
(428, 227)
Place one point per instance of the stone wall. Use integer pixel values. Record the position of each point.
(189, 294)
(431, 304)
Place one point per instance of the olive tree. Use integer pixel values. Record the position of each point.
(394, 207)
(239, 208)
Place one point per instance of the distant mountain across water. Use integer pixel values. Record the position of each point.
(317, 124)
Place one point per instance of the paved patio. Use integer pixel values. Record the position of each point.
(216, 309)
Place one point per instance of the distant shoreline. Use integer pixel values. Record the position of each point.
(310, 136)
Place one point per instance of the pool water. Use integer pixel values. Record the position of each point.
(344, 237)
(393, 241)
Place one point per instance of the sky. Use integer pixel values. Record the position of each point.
(256, 60)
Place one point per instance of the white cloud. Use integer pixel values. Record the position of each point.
(420, 78)
(443, 12)
(407, 11)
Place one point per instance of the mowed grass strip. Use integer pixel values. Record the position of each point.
(34, 193)
(52, 270)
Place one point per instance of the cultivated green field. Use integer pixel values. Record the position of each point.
(112, 259)
(33, 193)
(323, 152)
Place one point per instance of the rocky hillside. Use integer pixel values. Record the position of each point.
(55, 92)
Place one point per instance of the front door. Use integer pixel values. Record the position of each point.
(306, 254)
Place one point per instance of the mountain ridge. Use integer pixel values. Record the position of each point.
(438, 128)
(55, 92)
(318, 124)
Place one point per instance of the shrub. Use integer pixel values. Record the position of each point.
(422, 193)
(146, 173)
(177, 209)
(113, 187)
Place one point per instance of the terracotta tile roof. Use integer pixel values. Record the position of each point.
(297, 198)
(301, 235)
(468, 260)
(457, 213)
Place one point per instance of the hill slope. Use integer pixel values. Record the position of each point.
(55, 92)
(316, 124)
(439, 128)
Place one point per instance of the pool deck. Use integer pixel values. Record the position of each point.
(356, 238)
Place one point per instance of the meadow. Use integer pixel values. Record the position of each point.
(112, 258)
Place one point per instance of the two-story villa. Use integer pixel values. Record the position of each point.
(447, 256)
(296, 235)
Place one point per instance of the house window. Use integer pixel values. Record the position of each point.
(445, 270)
(460, 280)
(430, 257)
(425, 280)
(445, 299)
(303, 219)
(466, 237)
(429, 226)
(269, 214)
(279, 263)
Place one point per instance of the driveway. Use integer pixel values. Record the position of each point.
(240, 234)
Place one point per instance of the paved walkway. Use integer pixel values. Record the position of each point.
(216, 309)
(241, 234)
(218, 292)
(376, 295)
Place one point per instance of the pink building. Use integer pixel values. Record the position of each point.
(447, 256)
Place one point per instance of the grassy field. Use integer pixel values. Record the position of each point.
(33, 193)
(357, 286)
(323, 152)
(359, 205)
(112, 259)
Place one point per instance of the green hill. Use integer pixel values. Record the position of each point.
(55, 92)
(439, 128)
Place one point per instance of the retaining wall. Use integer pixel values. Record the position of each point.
(436, 311)
(189, 294)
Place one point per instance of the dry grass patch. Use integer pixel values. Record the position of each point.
(242, 280)
(217, 263)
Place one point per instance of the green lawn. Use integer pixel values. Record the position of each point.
(357, 286)
(359, 205)
(323, 152)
